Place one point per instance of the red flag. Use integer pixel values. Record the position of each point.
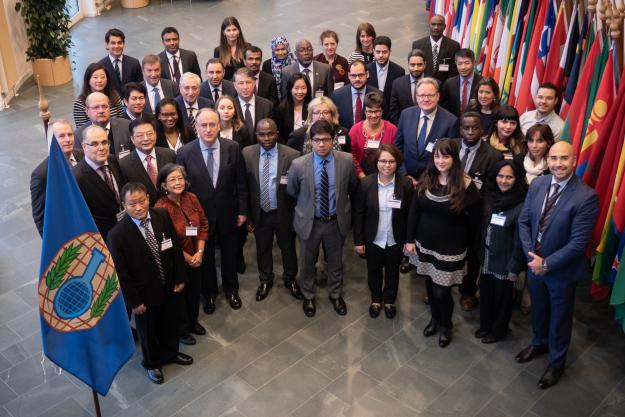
(552, 68)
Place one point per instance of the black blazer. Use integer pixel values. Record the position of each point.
(484, 162)
(135, 266)
(229, 198)
(267, 87)
(343, 100)
(450, 93)
(243, 138)
(286, 119)
(446, 55)
(401, 98)
(38, 182)
(263, 108)
(202, 102)
(227, 87)
(133, 169)
(394, 71)
(131, 71)
(100, 199)
(189, 64)
(230, 69)
(367, 209)
(185, 137)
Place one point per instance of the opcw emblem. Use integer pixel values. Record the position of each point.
(79, 284)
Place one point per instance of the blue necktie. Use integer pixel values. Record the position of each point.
(210, 164)
(157, 97)
(422, 134)
(324, 194)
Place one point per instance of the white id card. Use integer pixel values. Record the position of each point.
(120, 216)
(284, 179)
(166, 244)
(342, 140)
(394, 203)
(478, 183)
(123, 154)
(443, 67)
(318, 93)
(190, 231)
(508, 155)
(429, 147)
(373, 144)
(498, 219)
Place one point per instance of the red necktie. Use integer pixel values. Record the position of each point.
(463, 103)
(151, 169)
(358, 114)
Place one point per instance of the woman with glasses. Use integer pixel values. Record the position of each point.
(380, 218)
(171, 131)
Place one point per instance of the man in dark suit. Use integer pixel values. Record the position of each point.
(555, 226)
(142, 164)
(250, 105)
(271, 208)
(152, 274)
(189, 99)
(134, 100)
(175, 61)
(404, 91)
(99, 113)
(265, 83)
(216, 172)
(350, 98)
(215, 86)
(157, 88)
(319, 74)
(64, 134)
(100, 179)
(120, 69)
(439, 51)
(382, 71)
(323, 183)
(458, 90)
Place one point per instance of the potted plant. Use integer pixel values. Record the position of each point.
(49, 39)
(134, 4)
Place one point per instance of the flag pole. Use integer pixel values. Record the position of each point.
(617, 34)
(96, 403)
(44, 105)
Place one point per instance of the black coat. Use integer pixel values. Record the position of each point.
(446, 55)
(285, 119)
(450, 93)
(394, 72)
(133, 169)
(131, 71)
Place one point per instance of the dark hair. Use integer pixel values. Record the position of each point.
(215, 61)
(392, 149)
(368, 29)
(520, 181)
(132, 187)
(416, 52)
(180, 126)
(328, 34)
(289, 86)
(472, 114)
(550, 86)
(224, 48)
(134, 86)
(114, 32)
(455, 179)
(322, 126)
(490, 82)
(252, 48)
(465, 53)
(243, 71)
(140, 121)
(111, 93)
(169, 29)
(517, 140)
(374, 99)
(544, 131)
(382, 40)
(357, 62)
(167, 169)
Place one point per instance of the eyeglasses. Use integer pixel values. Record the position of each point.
(373, 112)
(99, 107)
(322, 113)
(428, 96)
(322, 140)
(387, 161)
(104, 144)
(363, 75)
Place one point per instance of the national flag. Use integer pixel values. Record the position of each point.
(545, 45)
(617, 272)
(554, 67)
(494, 39)
(506, 39)
(520, 9)
(573, 74)
(84, 326)
(458, 16)
(485, 28)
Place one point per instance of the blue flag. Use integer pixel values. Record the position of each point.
(84, 326)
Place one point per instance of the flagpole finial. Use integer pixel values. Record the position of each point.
(615, 23)
(621, 8)
(44, 105)
(592, 6)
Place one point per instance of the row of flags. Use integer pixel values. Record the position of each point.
(522, 43)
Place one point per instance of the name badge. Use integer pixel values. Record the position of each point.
(190, 231)
(508, 155)
(120, 216)
(342, 140)
(166, 244)
(318, 93)
(498, 219)
(338, 85)
(122, 154)
(478, 183)
(429, 147)
(284, 179)
(443, 67)
(394, 203)
(373, 144)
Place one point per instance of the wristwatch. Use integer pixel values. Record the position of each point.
(544, 265)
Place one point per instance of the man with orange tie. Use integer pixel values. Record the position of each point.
(457, 91)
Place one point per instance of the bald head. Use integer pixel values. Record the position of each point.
(98, 108)
(561, 160)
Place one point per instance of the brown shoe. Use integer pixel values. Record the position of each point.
(468, 303)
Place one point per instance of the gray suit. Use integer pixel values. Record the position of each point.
(170, 90)
(119, 134)
(312, 231)
(324, 78)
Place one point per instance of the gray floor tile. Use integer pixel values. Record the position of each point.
(66, 408)
(569, 398)
(232, 391)
(464, 398)
(377, 403)
(495, 370)
(41, 398)
(168, 398)
(352, 385)
(614, 404)
(412, 388)
(6, 394)
(518, 396)
(322, 404)
(28, 374)
(7, 337)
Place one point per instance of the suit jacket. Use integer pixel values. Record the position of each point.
(119, 133)
(170, 90)
(445, 125)
(567, 231)
(131, 71)
(367, 209)
(251, 156)
(38, 182)
(450, 93)
(189, 64)
(202, 103)
(99, 197)
(323, 80)
(228, 198)
(301, 186)
(133, 169)
(267, 88)
(446, 55)
(135, 265)
(394, 71)
(227, 87)
(285, 119)
(484, 163)
(401, 98)
(343, 100)
(263, 108)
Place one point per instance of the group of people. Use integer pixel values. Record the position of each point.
(427, 169)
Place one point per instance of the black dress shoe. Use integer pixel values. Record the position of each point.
(263, 291)
(294, 289)
(309, 307)
(431, 329)
(444, 339)
(390, 311)
(339, 305)
(182, 359)
(235, 301)
(550, 377)
(209, 305)
(480, 333)
(156, 375)
(198, 329)
(374, 309)
(405, 266)
(490, 339)
(530, 352)
(187, 339)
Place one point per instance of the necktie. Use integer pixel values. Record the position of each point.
(307, 74)
(249, 122)
(324, 194)
(210, 164)
(256, 84)
(422, 134)
(216, 94)
(549, 206)
(192, 119)
(153, 245)
(465, 91)
(176, 70)
(465, 158)
(265, 201)
(358, 110)
(157, 97)
(108, 179)
(434, 57)
(151, 168)
(118, 73)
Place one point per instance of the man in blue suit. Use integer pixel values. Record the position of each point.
(554, 227)
(350, 98)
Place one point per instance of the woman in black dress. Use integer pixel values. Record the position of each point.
(443, 221)
(232, 44)
(485, 101)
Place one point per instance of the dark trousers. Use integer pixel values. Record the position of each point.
(264, 232)
(158, 334)
(495, 305)
(468, 288)
(552, 315)
(383, 272)
(190, 301)
(441, 303)
(228, 243)
(241, 239)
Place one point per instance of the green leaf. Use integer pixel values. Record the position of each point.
(110, 286)
(54, 277)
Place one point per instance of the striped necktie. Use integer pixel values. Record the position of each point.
(265, 201)
(153, 245)
(324, 194)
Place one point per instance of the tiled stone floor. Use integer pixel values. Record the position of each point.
(268, 359)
